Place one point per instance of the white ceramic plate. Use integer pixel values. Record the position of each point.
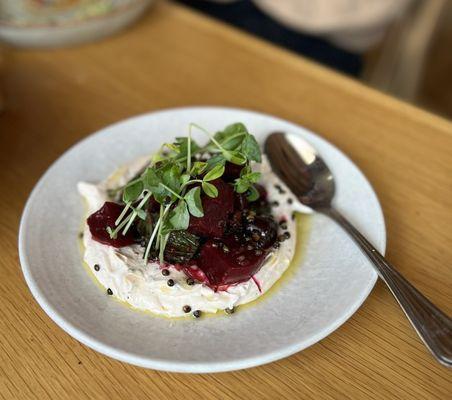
(333, 280)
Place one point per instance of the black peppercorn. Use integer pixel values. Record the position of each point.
(190, 281)
(276, 245)
(186, 309)
(274, 203)
(197, 313)
(165, 272)
(170, 282)
(281, 238)
(109, 291)
(290, 200)
(280, 189)
(96, 267)
(229, 310)
(283, 224)
(287, 235)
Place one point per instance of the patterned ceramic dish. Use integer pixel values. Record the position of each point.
(49, 23)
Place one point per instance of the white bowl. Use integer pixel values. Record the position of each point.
(64, 31)
(331, 282)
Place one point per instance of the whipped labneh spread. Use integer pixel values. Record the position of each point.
(164, 289)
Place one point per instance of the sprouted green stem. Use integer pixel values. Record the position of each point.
(189, 149)
(154, 232)
(123, 213)
(135, 211)
(208, 134)
(170, 190)
(191, 182)
(114, 233)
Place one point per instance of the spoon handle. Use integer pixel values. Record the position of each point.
(432, 325)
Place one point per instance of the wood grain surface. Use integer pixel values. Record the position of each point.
(174, 57)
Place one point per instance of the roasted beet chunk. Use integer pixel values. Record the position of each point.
(231, 172)
(262, 230)
(216, 212)
(228, 262)
(106, 216)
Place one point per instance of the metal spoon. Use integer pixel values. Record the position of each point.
(311, 181)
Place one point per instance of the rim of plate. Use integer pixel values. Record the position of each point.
(182, 366)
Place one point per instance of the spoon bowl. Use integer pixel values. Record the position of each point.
(297, 163)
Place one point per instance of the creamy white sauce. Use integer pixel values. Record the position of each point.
(144, 287)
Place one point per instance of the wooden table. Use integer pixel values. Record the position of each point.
(175, 57)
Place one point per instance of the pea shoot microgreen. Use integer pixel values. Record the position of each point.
(177, 175)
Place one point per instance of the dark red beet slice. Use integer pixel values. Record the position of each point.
(216, 211)
(231, 172)
(235, 266)
(106, 216)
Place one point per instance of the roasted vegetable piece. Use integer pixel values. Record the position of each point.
(216, 211)
(225, 268)
(106, 217)
(181, 247)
